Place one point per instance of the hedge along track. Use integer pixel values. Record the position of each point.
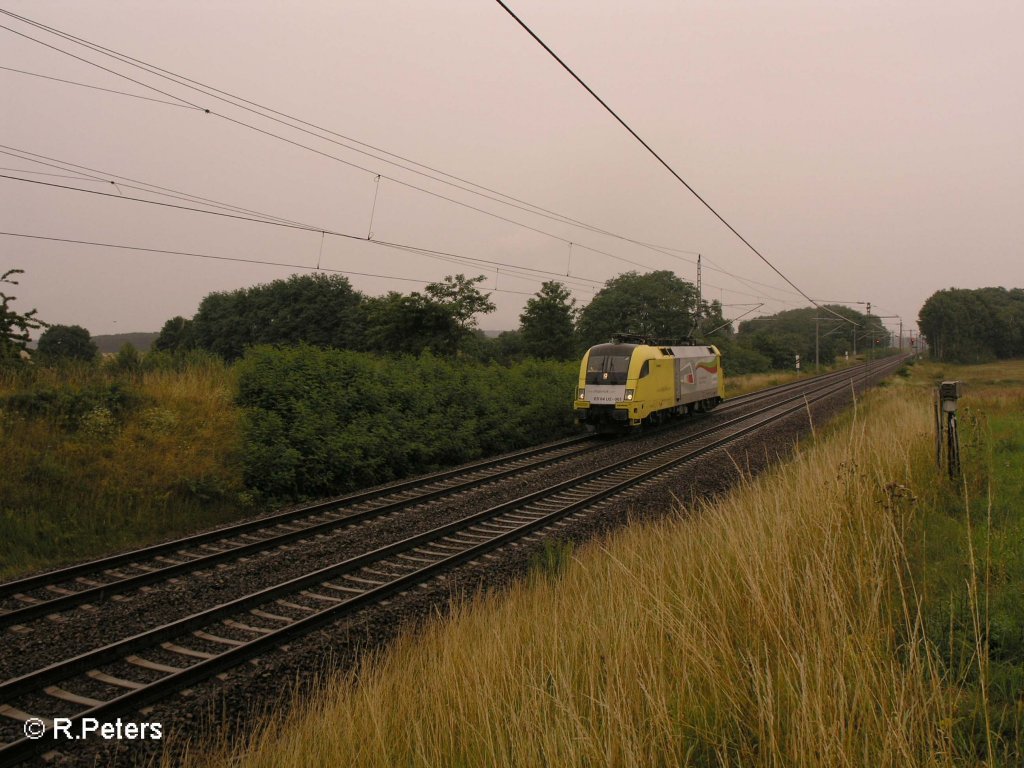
(49, 593)
(184, 652)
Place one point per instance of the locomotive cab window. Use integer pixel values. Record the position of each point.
(607, 369)
(645, 368)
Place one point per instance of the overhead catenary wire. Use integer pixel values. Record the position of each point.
(614, 256)
(712, 266)
(232, 99)
(94, 87)
(171, 252)
(240, 102)
(99, 66)
(271, 220)
(184, 81)
(733, 320)
(302, 227)
(658, 157)
(260, 217)
(238, 217)
(108, 178)
(417, 188)
(225, 214)
(509, 269)
(44, 173)
(579, 281)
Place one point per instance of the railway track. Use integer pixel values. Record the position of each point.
(139, 670)
(46, 594)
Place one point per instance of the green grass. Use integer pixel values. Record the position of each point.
(968, 560)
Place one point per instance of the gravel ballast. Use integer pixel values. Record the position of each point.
(229, 702)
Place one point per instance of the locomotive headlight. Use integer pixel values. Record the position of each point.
(581, 393)
(630, 393)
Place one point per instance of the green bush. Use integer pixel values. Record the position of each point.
(71, 408)
(181, 361)
(322, 422)
(739, 359)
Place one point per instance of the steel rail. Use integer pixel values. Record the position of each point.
(41, 607)
(70, 572)
(16, 686)
(842, 373)
(23, 748)
(551, 454)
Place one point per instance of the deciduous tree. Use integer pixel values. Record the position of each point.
(657, 304)
(972, 326)
(317, 309)
(67, 342)
(15, 327)
(460, 296)
(547, 324)
(782, 336)
(410, 324)
(175, 336)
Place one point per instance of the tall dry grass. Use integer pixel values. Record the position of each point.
(95, 459)
(751, 382)
(775, 628)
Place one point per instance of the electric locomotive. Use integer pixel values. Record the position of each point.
(632, 381)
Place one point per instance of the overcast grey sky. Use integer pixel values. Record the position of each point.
(871, 150)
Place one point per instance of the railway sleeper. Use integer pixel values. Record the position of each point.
(183, 651)
(342, 588)
(159, 558)
(156, 666)
(474, 539)
(546, 505)
(491, 529)
(21, 716)
(401, 569)
(518, 517)
(212, 548)
(358, 580)
(217, 638)
(88, 582)
(447, 549)
(247, 627)
(318, 596)
(496, 530)
(117, 682)
(295, 606)
(410, 558)
(271, 616)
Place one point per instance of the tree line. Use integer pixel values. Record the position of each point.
(338, 390)
(325, 311)
(974, 325)
(826, 334)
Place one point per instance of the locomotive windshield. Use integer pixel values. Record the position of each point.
(609, 363)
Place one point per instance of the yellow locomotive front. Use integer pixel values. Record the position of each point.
(624, 385)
